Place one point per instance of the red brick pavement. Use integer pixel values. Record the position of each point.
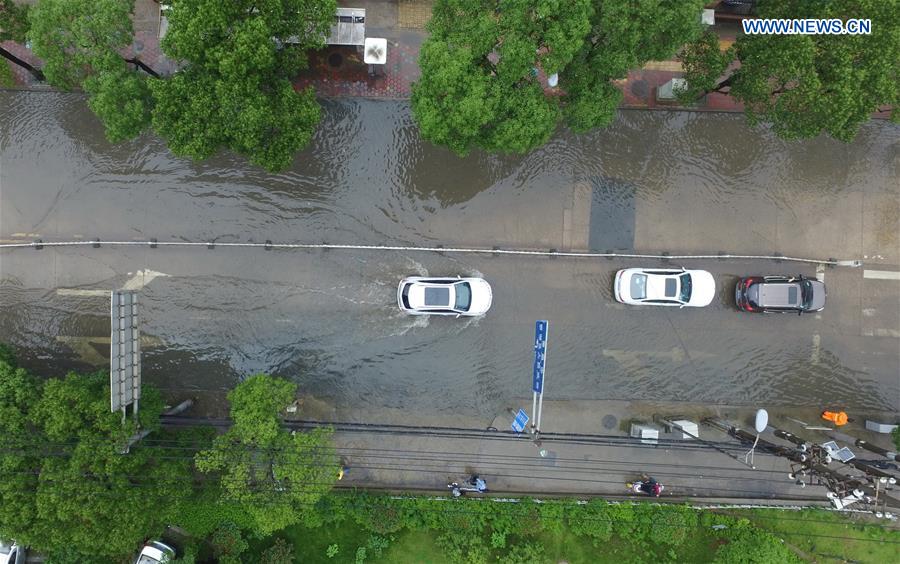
(340, 71)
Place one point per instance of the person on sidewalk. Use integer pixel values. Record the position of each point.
(648, 486)
(476, 482)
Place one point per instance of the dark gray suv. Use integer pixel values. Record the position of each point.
(784, 294)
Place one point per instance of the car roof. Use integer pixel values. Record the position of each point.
(779, 294)
(437, 296)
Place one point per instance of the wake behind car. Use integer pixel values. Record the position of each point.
(783, 294)
(418, 295)
(664, 287)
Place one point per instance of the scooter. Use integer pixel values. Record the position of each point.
(474, 484)
(647, 486)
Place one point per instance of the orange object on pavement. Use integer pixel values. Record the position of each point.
(837, 417)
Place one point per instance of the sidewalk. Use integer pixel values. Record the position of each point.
(600, 467)
(586, 447)
(338, 71)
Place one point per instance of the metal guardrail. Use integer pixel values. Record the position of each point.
(269, 245)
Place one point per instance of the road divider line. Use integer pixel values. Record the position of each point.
(881, 275)
(83, 293)
(268, 245)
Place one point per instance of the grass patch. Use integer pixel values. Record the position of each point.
(310, 545)
(813, 532)
(420, 547)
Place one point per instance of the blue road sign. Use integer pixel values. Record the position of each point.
(518, 424)
(540, 355)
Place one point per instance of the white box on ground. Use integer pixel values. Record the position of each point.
(667, 90)
(880, 427)
(375, 51)
(647, 433)
(708, 17)
(688, 426)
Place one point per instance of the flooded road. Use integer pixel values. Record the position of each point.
(328, 319)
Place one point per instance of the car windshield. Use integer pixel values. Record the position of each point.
(685, 287)
(807, 293)
(639, 286)
(463, 296)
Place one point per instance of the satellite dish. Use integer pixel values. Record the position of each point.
(762, 420)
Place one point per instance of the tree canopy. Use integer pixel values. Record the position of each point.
(804, 85)
(13, 21)
(77, 38)
(276, 474)
(67, 490)
(480, 65)
(234, 90)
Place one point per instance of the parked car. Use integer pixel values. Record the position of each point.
(784, 294)
(418, 295)
(11, 553)
(155, 552)
(664, 287)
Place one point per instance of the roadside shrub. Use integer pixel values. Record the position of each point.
(332, 550)
(462, 548)
(590, 520)
(360, 555)
(228, 544)
(749, 545)
(498, 540)
(279, 553)
(528, 553)
(672, 525)
(377, 544)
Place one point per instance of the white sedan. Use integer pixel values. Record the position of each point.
(418, 295)
(664, 287)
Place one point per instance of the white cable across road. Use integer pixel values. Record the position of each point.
(458, 250)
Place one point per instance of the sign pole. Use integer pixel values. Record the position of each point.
(537, 378)
(540, 410)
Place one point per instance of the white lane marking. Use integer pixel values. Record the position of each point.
(869, 311)
(881, 274)
(141, 279)
(84, 293)
(817, 345)
(820, 273)
(881, 333)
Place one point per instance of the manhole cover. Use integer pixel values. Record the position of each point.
(335, 59)
(610, 421)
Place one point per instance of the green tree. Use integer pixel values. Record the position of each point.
(14, 27)
(804, 85)
(748, 545)
(75, 38)
(479, 87)
(274, 473)
(76, 497)
(13, 21)
(234, 90)
(80, 42)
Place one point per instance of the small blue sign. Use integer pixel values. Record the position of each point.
(540, 355)
(518, 424)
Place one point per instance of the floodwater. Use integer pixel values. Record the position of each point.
(654, 181)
